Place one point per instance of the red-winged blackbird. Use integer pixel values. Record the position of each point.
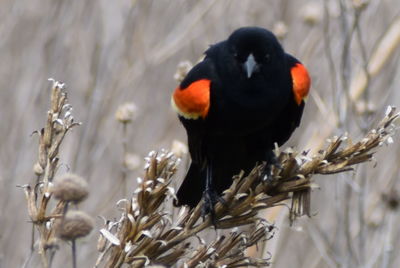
(243, 97)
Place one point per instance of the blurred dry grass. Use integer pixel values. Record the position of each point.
(111, 52)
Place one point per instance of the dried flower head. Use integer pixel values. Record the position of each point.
(179, 148)
(126, 112)
(146, 235)
(365, 108)
(70, 187)
(75, 224)
(182, 70)
(312, 13)
(280, 29)
(37, 169)
(360, 5)
(391, 199)
(132, 161)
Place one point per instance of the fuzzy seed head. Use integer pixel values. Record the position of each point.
(178, 148)
(70, 188)
(132, 161)
(280, 29)
(182, 70)
(360, 4)
(312, 13)
(126, 112)
(391, 199)
(365, 108)
(74, 225)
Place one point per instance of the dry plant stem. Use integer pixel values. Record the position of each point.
(32, 239)
(51, 257)
(363, 233)
(383, 51)
(347, 37)
(347, 225)
(322, 245)
(73, 248)
(345, 74)
(357, 15)
(362, 197)
(145, 235)
(388, 243)
(124, 152)
(356, 254)
(59, 121)
(328, 54)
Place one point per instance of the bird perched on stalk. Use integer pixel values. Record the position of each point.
(245, 96)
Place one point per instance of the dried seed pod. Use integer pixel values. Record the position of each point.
(75, 224)
(360, 5)
(178, 148)
(70, 188)
(391, 199)
(101, 243)
(280, 29)
(37, 169)
(132, 161)
(182, 70)
(312, 13)
(126, 112)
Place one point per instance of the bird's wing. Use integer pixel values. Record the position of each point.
(291, 115)
(192, 101)
(301, 83)
(300, 78)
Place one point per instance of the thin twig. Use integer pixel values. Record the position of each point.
(73, 248)
(329, 56)
(124, 153)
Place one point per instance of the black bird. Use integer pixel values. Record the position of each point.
(243, 97)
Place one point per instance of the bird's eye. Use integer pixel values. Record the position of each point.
(267, 57)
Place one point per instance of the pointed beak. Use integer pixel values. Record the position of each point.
(250, 65)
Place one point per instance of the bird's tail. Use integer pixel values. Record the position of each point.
(191, 190)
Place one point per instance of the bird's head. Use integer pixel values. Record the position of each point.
(255, 50)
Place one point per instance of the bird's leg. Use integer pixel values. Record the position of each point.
(210, 196)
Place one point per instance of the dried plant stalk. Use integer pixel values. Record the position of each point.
(145, 234)
(382, 53)
(59, 121)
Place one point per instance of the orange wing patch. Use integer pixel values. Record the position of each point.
(301, 82)
(194, 101)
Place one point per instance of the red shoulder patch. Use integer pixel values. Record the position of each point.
(301, 82)
(193, 101)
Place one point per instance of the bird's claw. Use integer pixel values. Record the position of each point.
(210, 198)
(273, 162)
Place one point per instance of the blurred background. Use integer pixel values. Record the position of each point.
(112, 52)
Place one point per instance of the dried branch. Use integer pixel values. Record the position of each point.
(145, 234)
(382, 53)
(69, 188)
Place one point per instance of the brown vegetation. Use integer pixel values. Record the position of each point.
(111, 53)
